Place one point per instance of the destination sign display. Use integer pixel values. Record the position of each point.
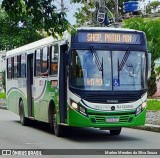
(109, 37)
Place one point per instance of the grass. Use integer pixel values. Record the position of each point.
(153, 105)
(2, 95)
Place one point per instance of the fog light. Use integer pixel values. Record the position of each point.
(82, 110)
(138, 110)
(93, 120)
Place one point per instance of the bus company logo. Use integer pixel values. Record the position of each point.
(112, 101)
(6, 152)
(112, 108)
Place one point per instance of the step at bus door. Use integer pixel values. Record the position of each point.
(29, 83)
(63, 84)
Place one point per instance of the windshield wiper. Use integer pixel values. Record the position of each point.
(97, 60)
(123, 62)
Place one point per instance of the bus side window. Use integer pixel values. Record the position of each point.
(23, 66)
(44, 67)
(9, 68)
(18, 66)
(54, 59)
(15, 67)
(37, 63)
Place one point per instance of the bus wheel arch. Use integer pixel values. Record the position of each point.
(55, 127)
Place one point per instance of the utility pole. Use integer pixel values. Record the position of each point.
(62, 6)
(100, 12)
(116, 10)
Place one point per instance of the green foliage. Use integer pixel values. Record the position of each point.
(42, 13)
(3, 80)
(153, 5)
(2, 95)
(152, 29)
(87, 13)
(153, 105)
(152, 87)
(11, 35)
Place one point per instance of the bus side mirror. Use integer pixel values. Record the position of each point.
(149, 65)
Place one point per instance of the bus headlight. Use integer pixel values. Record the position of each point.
(140, 108)
(144, 105)
(74, 105)
(78, 108)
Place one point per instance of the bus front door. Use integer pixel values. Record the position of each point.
(63, 84)
(29, 84)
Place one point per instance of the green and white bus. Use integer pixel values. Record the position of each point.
(96, 77)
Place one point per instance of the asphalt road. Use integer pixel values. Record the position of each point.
(38, 136)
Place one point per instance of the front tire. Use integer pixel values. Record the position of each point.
(55, 127)
(115, 132)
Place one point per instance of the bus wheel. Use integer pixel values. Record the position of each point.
(115, 132)
(23, 119)
(58, 131)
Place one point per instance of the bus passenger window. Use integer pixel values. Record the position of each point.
(54, 60)
(15, 67)
(9, 68)
(18, 66)
(44, 68)
(23, 66)
(37, 63)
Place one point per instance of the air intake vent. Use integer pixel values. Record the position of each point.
(112, 98)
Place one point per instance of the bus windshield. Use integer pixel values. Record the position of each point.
(85, 74)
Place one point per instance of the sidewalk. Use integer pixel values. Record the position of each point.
(3, 104)
(149, 127)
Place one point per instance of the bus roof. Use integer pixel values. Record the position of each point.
(31, 46)
(107, 28)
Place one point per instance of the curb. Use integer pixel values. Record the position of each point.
(149, 127)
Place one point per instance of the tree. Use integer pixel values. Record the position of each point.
(153, 5)
(152, 29)
(3, 80)
(42, 14)
(87, 13)
(12, 35)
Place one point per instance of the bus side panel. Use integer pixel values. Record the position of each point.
(14, 93)
(41, 103)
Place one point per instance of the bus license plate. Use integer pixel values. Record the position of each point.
(112, 119)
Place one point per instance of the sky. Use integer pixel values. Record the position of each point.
(71, 9)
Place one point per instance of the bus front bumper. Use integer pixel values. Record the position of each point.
(105, 121)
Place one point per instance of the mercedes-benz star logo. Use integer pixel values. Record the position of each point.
(112, 108)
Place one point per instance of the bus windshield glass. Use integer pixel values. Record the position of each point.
(118, 74)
